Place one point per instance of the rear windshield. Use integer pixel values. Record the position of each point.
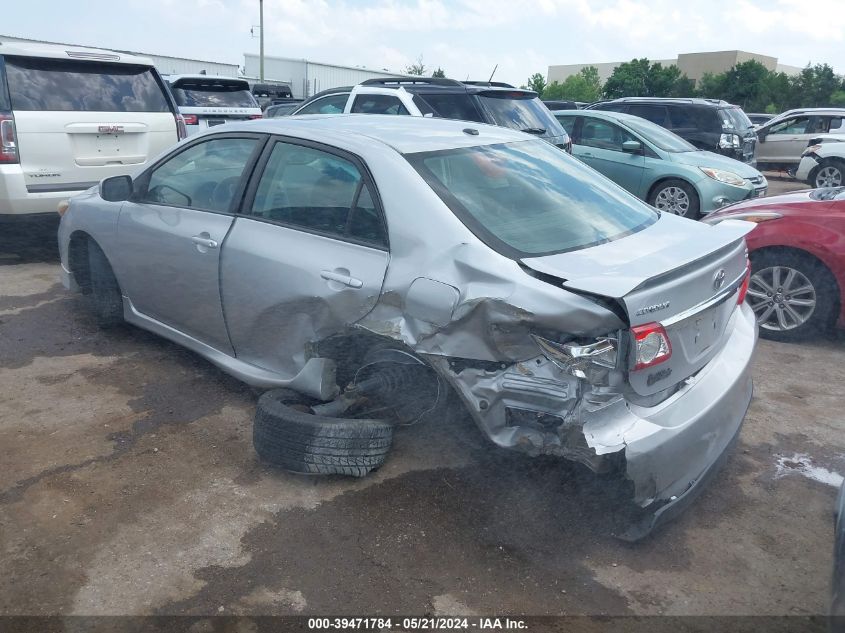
(213, 95)
(520, 113)
(735, 118)
(660, 136)
(64, 85)
(528, 198)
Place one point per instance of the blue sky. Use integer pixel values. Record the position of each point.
(465, 37)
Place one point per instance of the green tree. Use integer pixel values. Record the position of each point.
(585, 85)
(838, 99)
(815, 85)
(440, 73)
(537, 83)
(641, 78)
(417, 68)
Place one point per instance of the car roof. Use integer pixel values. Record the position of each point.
(210, 78)
(81, 53)
(718, 103)
(405, 134)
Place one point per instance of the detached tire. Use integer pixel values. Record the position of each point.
(105, 291)
(286, 434)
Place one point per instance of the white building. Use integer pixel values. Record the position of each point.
(307, 77)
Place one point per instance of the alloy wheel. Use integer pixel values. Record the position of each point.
(782, 298)
(829, 176)
(673, 200)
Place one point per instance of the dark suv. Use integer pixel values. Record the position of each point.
(495, 103)
(708, 124)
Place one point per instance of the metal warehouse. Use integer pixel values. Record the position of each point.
(307, 77)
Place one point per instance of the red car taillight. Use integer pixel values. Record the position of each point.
(8, 139)
(653, 346)
(743, 289)
(181, 131)
(191, 119)
(256, 116)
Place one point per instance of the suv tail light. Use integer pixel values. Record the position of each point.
(652, 345)
(191, 119)
(256, 116)
(743, 289)
(181, 130)
(8, 139)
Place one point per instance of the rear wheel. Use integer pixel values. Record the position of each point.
(105, 291)
(793, 296)
(829, 173)
(675, 196)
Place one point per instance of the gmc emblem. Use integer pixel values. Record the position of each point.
(110, 129)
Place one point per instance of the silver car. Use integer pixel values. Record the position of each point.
(348, 255)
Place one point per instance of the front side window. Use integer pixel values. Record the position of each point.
(213, 94)
(568, 122)
(378, 104)
(318, 191)
(330, 104)
(660, 136)
(60, 85)
(603, 135)
(205, 176)
(795, 125)
(655, 114)
(528, 198)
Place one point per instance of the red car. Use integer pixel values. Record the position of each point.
(797, 257)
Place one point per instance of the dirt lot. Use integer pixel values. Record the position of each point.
(128, 485)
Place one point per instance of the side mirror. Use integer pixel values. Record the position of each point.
(116, 188)
(632, 146)
(761, 134)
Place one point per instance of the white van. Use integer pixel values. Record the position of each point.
(205, 100)
(70, 117)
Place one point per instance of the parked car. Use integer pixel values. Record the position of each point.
(784, 138)
(206, 100)
(71, 116)
(269, 94)
(708, 124)
(495, 103)
(658, 166)
(373, 265)
(823, 162)
(758, 118)
(560, 104)
(797, 255)
(281, 109)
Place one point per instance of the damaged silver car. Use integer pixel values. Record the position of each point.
(368, 268)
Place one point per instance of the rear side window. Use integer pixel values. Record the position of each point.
(453, 106)
(64, 85)
(210, 94)
(378, 104)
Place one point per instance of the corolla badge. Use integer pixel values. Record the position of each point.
(719, 279)
(653, 308)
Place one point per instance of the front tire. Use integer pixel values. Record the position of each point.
(105, 291)
(793, 296)
(677, 197)
(829, 173)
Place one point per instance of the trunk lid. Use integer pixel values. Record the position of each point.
(681, 274)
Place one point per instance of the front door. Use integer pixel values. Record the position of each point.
(784, 141)
(599, 144)
(306, 259)
(171, 233)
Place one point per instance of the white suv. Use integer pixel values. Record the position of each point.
(205, 101)
(70, 117)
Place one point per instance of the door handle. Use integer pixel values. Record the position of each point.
(201, 240)
(340, 278)
(586, 154)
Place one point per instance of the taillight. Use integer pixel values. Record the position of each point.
(181, 131)
(191, 119)
(652, 345)
(8, 139)
(743, 289)
(256, 116)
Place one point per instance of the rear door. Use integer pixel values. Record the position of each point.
(599, 144)
(307, 257)
(80, 121)
(171, 233)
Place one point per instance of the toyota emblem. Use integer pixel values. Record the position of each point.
(719, 279)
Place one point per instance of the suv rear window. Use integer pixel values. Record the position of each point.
(529, 198)
(517, 112)
(452, 106)
(210, 94)
(63, 85)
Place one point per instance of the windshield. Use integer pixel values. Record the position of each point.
(216, 95)
(660, 136)
(520, 113)
(735, 117)
(529, 198)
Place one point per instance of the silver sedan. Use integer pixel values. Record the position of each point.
(328, 255)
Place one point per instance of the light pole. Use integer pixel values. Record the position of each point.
(261, 39)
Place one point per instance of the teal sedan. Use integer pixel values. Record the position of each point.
(657, 165)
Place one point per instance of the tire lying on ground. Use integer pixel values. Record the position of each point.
(287, 434)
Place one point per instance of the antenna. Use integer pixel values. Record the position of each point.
(493, 73)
